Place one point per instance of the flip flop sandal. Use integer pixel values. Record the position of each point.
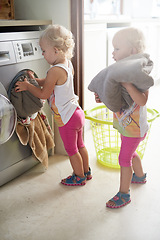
(120, 200)
(74, 180)
(140, 180)
(88, 175)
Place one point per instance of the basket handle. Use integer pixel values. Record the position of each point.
(157, 114)
(97, 120)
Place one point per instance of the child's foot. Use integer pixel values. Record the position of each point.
(74, 180)
(119, 200)
(136, 179)
(88, 174)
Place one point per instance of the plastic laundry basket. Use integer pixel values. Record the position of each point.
(107, 139)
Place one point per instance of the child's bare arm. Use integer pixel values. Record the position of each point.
(138, 97)
(48, 86)
(39, 80)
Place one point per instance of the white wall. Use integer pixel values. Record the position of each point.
(57, 11)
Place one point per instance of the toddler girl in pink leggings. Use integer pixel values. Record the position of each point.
(131, 122)
(57, 46)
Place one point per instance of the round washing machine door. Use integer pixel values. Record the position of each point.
(8, 119)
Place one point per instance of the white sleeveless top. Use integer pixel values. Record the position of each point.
(63, 101)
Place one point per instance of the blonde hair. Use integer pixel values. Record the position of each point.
(61, 38)
(134, 36)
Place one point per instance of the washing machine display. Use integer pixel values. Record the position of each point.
(27, 50)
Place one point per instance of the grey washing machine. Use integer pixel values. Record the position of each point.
(18, 51)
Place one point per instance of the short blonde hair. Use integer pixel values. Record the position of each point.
(61, 38)
(134, 36)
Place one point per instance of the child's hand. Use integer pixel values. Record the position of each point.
(31, 74)
(21, 86)
(97, 99)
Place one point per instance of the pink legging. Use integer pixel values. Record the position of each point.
(72, 132)
(128, 150)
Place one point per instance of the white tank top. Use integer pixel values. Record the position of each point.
(64, 98)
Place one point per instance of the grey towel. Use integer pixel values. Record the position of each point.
(24, 102)
(107, 83)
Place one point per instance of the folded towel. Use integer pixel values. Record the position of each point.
(37, 135)
(107, 83)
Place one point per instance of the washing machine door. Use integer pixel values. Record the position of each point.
(8, 119)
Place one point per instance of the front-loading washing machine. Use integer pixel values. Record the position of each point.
(18, 51)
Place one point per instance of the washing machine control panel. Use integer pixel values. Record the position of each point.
(27, 50)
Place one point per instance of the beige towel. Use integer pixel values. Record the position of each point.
(37, 136)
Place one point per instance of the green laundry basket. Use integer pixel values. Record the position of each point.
(107, 139)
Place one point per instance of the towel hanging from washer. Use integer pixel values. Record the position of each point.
(38, 135)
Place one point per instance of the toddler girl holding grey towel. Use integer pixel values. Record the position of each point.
(131, 122)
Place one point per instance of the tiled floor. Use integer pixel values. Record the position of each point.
(35, 206)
